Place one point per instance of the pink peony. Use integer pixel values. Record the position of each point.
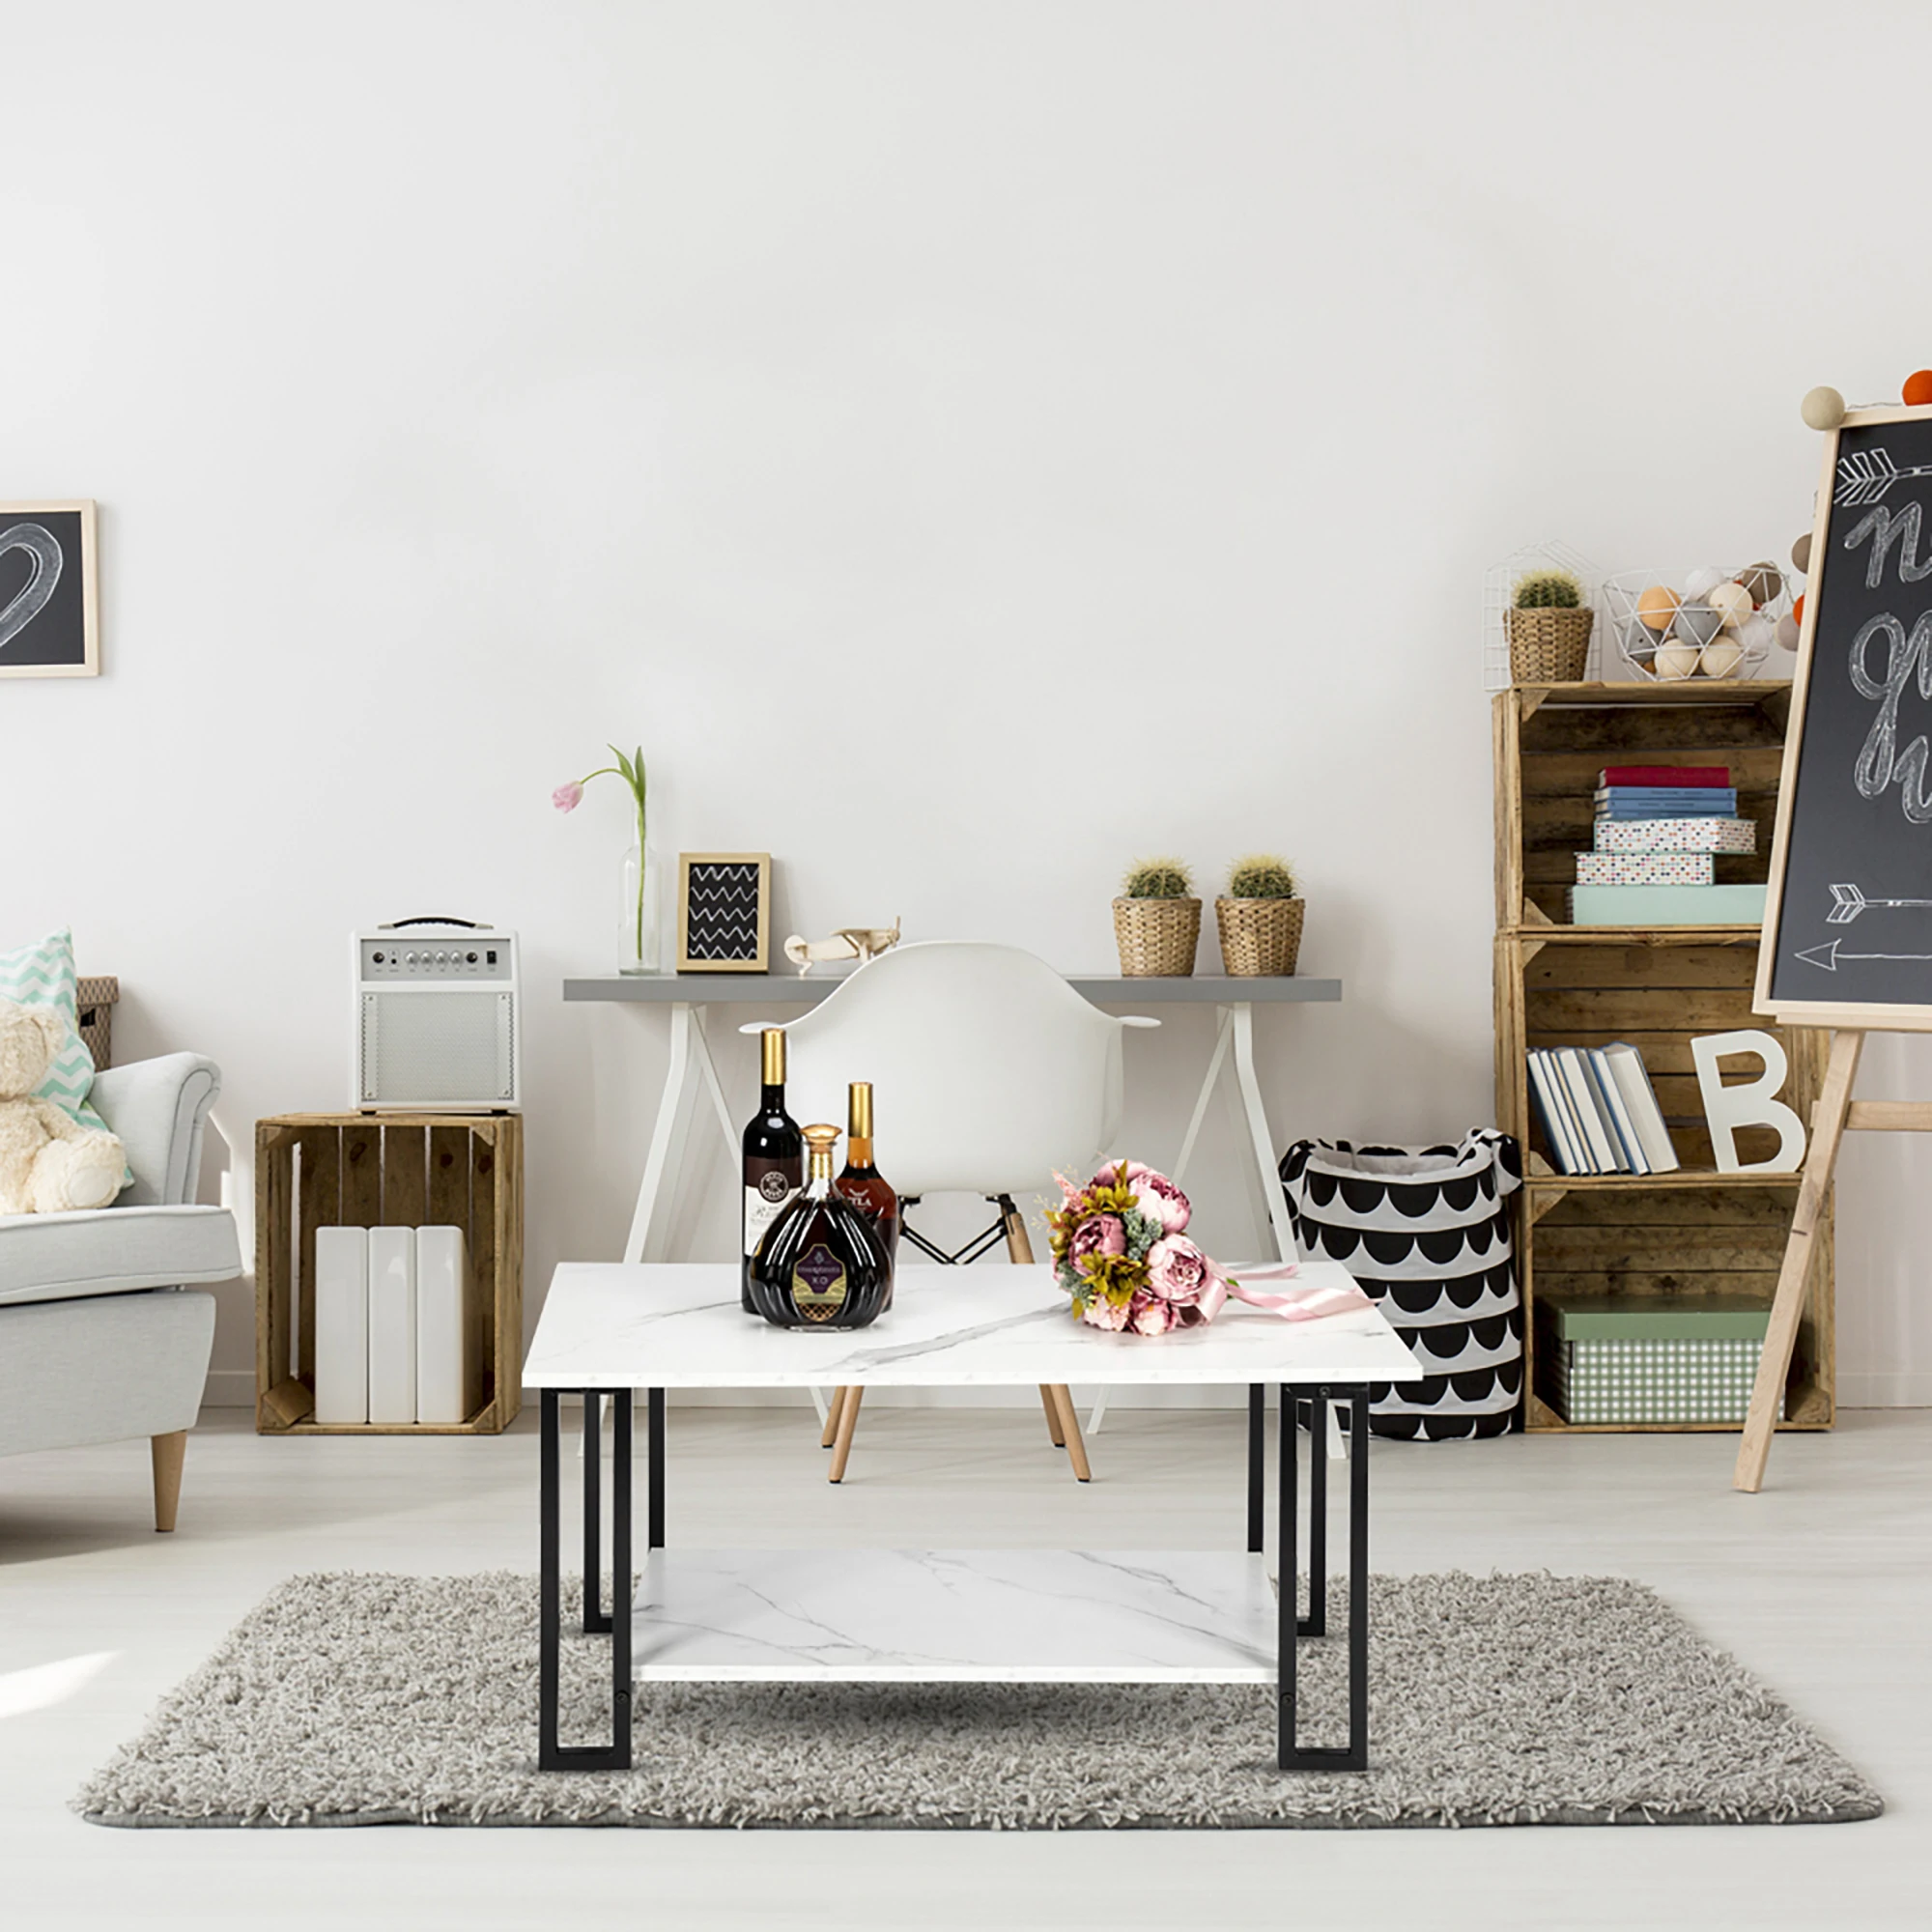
(1149, 1315)
(1100, 1235)
(1155, 1194)
(567, 797)
(1177, 1270)
(1100, 1313)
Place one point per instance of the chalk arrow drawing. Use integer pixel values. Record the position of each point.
(1866, 478)
(1828, 955)
(1847, 902)
(31, 599)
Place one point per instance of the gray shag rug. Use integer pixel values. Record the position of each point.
(1495, 1700)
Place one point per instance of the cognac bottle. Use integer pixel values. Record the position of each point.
(773, 1158)
(821, 1263)
(861, 1182)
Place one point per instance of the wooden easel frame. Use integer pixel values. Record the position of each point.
(1837, 1112)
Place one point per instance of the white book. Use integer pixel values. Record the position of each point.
(341, 1289)
(1596, 1135)
(1633, 1080)
(392, 1325)
(1636, 1160)
(1579, 1148)
(1550, 1105)
(448, 1383)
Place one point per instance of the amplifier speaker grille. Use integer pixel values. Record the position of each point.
(429, 1047)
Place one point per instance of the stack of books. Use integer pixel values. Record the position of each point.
(1658, 831)
(1599, 1111)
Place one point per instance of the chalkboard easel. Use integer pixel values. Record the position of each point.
(1848, 917)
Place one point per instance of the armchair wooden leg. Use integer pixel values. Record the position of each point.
(168, 1452)
(849, 1420)
(1052, 1407)
(832, 1410)
(1069, 1423)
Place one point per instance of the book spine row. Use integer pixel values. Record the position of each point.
(394, 1338)
(1598, 1110)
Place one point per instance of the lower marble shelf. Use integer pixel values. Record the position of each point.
(1013, 1616)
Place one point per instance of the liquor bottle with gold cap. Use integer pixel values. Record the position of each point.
(821, 1263)
(861, 1182)
(774, 1156)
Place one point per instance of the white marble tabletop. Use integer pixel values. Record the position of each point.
(677, 1325)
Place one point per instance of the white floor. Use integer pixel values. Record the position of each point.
(1820, 1584)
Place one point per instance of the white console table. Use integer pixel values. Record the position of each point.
(687, 994)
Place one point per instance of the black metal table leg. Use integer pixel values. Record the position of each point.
(551, 1754)
(595, 1622)
(1292, 1755)
(1257, 1466)
(655, 1509)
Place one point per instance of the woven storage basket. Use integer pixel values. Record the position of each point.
(1550, 647)
(1158, 937)
(1260, 938)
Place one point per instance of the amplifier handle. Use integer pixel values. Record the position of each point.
(468, 924)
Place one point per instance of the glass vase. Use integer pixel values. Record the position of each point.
(638, 925)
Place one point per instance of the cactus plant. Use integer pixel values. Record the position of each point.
(1159, 879)
(1262, 877)
(1547, 590)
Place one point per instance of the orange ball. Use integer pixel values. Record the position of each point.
(1798, 609)
(1919, 388)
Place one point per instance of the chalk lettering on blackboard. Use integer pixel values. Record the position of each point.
(1830, 957)
(1848, 901)
(1880, 762)
(1866, 476)
(1886, 529)
(33, 596)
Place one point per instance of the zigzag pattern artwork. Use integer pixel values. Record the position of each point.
(723, 919)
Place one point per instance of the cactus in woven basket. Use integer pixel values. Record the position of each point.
(1547, 590)
(1158, 879)
(1260, 877)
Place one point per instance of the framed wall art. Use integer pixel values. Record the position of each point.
(49, 591)
(723, 912)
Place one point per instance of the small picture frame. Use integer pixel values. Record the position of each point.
(49, 591)
(723, 912)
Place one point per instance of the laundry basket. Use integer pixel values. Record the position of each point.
(1426, 1231)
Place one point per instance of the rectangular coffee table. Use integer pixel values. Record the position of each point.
(945, 1615)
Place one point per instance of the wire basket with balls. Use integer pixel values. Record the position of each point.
(1707, 623)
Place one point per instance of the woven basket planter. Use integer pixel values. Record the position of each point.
(1550, 647)
(1158, 937)
(1260, 938)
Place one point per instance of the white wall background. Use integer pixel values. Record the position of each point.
(968, 444)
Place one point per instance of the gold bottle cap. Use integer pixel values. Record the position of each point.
(859, 1110)
(773, 1040)
(820, 1140)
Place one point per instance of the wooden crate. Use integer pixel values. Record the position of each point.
(1696, 1230)
(384, 1170)
(1552, 740)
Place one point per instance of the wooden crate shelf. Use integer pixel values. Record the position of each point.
(1694, 1232)
(384, 1170)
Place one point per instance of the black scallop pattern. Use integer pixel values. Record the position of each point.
(1426, 1231)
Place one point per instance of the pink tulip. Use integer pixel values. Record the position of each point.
(567, 797)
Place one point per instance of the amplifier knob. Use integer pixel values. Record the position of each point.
(409, 959)
(377, 958)
(473, 958)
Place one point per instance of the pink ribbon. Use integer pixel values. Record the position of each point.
(1303, 1303)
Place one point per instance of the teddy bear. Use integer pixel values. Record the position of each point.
(48, 1161)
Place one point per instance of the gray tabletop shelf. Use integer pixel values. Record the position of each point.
(1111, 989)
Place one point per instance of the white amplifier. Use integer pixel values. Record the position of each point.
(437, 1027)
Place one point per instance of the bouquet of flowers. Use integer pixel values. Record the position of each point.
(1121, 1250)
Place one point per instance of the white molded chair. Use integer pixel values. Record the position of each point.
(988, 1073)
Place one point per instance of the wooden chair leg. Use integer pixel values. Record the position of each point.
(1069, 1423)
(168, 1452)
(1052, 1407)
(849, 1420)
(832, 1410)
(1018, 1249)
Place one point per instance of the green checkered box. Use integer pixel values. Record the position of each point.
(1612, 1360)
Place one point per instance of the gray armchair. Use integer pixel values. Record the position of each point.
(98, 1341)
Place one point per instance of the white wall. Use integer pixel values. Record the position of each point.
(967, 444)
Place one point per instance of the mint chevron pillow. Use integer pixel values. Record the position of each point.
(43, 974)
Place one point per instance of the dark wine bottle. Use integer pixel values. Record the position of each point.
(861, 1182)
(821, 1263)
(773, 1158)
